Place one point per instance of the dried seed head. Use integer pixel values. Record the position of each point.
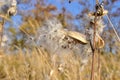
(8, 7)
(12, 11)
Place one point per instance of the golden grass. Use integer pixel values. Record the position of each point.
(40, 65)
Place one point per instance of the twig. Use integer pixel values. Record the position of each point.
(113, 27)
(4, 17)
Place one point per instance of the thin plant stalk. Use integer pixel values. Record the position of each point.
(99, 65)
(113, 28)
(94, 45)
(2, 29)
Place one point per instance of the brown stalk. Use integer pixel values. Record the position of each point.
(94, 45)
(1, 32)
(99, 66)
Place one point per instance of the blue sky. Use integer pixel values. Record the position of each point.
(74, 8)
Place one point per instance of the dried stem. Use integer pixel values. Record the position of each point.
(2, 28)
(99, 67)
(113, 28)
(94, 45)
(94, 50)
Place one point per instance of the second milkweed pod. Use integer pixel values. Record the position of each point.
(100, 42)
(77, 36)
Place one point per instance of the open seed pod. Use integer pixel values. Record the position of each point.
(77, 36)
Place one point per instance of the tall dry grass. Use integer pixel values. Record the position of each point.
(40, 65)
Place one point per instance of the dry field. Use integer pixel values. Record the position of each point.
(40, 65)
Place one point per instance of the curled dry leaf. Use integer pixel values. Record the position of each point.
(100, 42)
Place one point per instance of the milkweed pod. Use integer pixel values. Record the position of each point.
(78, 36)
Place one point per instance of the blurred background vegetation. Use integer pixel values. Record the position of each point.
(32, 13)
(39, 65)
